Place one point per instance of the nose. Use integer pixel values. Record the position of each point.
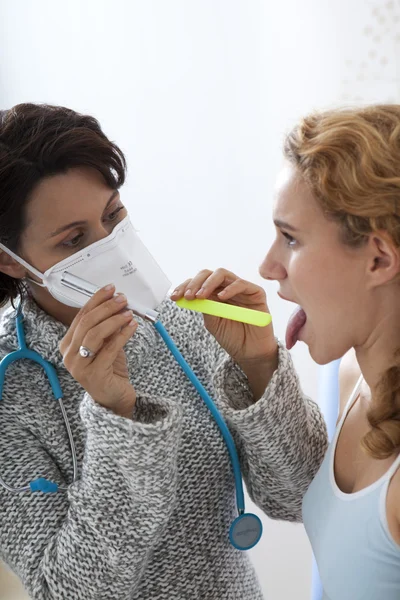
(103, 230)
(271, 268)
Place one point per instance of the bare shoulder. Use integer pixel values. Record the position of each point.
(349, 373)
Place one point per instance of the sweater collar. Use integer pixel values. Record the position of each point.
(43, 333)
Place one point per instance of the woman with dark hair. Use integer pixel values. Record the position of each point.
(148, 516)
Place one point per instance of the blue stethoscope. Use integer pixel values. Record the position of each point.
(42, 484)
(246, 529)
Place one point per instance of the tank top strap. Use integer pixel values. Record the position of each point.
(393, 468)
(350, 402)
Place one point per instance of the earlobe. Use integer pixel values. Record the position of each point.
(11, 267)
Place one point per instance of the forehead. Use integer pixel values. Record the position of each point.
(294, 201)
(77, 194)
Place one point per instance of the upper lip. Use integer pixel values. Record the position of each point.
(284, 298)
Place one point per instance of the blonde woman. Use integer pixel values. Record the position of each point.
(336, 255)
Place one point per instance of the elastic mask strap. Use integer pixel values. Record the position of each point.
(22, 262)
(35, 282)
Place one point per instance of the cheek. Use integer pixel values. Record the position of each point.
(317, 277)
(305, 271)
(327, 291)
(39, 257)
(333, 304)
(342, 283)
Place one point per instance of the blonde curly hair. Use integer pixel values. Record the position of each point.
(351, 161)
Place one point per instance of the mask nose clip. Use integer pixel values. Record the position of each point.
(73, 282)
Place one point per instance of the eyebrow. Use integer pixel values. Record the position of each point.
(77, 223)
(284, 225)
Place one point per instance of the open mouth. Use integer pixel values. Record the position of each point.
(295, 324)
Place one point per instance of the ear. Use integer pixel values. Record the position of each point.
(11, 267)
(383, 259)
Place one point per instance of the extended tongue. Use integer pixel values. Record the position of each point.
(296, 322)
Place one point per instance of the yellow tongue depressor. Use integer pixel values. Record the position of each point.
(227, 311)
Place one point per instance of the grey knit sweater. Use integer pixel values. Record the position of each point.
(150, 513)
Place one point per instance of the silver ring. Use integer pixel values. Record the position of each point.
(85, 352)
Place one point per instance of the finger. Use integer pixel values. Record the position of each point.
(240, 286)
(196, 283)
(97, 299)
(97, 336)
(109, 352)
(217, 280)
(180, 290)
(78, 365)
(193, 285)
(88, 320)
(96, 316)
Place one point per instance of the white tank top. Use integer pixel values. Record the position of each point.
(356, 554)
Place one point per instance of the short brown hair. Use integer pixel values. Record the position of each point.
(38, 141)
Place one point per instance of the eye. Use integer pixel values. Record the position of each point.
(290, 240)
(113, 215)
(74, 241)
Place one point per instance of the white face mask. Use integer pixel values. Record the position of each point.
(121, 258)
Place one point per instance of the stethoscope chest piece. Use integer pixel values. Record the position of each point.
(245, 531)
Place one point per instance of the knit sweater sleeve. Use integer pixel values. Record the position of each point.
(281, 438)
(93, 541)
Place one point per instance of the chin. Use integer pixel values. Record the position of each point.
(323, 356)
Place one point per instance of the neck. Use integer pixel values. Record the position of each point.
(59, 311)
(378, 352)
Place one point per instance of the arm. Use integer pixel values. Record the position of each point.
(94, 541)
(281, 438)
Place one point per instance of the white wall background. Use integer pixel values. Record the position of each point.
(198, 93)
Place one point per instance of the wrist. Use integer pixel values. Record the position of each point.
(264, 362)
(122, 407)
(124, 411)
(259, 371)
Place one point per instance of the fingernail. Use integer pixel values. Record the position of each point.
(222, 293)
(108, 287)
(174, 293)
(188, 293)
(128, 314)
(132, 323)
(200, 292)
(120, 298)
